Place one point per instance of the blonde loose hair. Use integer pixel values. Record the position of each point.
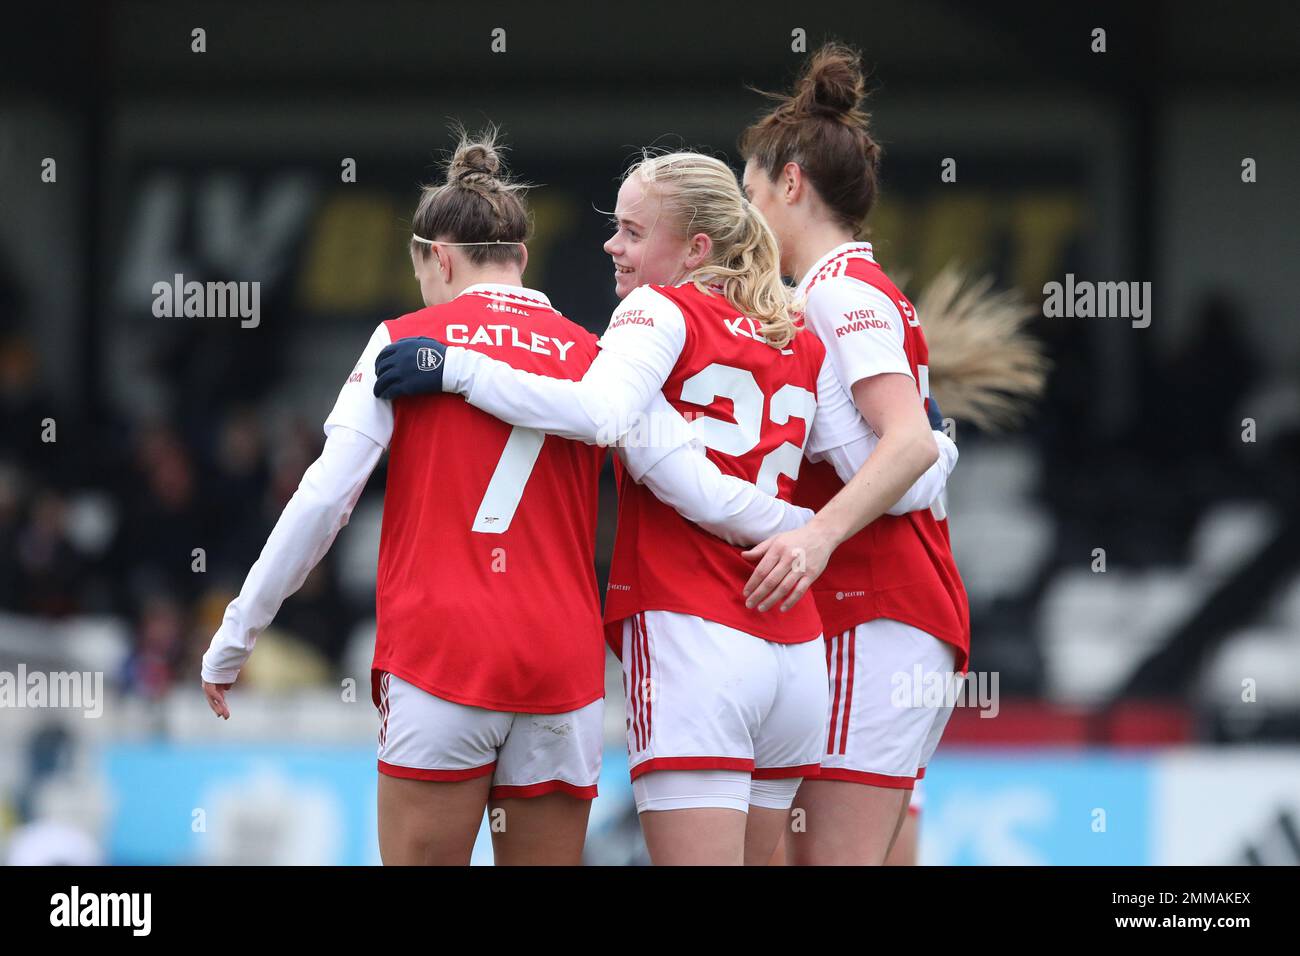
(986, 368)
(701, 194)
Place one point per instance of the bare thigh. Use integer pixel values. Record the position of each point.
(427, 823)
(845, 824)
(549, 830)
(779, 854)
(702, 836)
(763, 832)
(906, 846)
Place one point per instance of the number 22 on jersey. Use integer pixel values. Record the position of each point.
(742, 436)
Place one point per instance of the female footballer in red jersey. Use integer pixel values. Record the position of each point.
(726, 705)
(891, 600)
(489, 658)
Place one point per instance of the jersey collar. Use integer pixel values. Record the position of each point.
(831, 259)
(711, 283)
(512, 293)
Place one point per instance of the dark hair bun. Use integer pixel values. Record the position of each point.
(823, 127)
(478, 205)
(474, 162)
(832, 83)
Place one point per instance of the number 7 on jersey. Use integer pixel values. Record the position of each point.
(514, 468)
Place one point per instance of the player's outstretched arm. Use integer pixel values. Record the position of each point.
(357, 431)
(789, 563)
(873, 363)
(928, 490)
(925, 493)
(638, 351)
(666, 456)
(304, 532)
(839, 434)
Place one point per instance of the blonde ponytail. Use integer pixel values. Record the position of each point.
(700, 194)
(985, 367)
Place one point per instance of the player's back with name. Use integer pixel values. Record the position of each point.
(486, 562)
(501, 335)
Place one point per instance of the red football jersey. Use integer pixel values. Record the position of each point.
(756, 403)
(898, 567)
(486, 593)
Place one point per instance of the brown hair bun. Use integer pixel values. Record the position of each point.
(831, 83)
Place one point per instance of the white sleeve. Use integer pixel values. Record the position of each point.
(861, 328)
(926, 491)
(638, 351)
(660, 431)
(670, 460)
(724, 505)
(318, 509)
(356, 407)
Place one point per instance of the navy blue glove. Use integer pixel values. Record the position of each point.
(410, 367)
(931, 409)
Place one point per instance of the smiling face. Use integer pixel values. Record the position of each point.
(648, 248)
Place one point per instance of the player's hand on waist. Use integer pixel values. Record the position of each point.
(788, 564)
(410, 367)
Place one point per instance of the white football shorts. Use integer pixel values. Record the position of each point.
(891, 694)
(423, 737)
(704, 696)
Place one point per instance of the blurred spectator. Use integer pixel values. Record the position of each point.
(21, 408)
(10, 515)
(50, 571)
(161, 629)
(163, 520)
(235, 483)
